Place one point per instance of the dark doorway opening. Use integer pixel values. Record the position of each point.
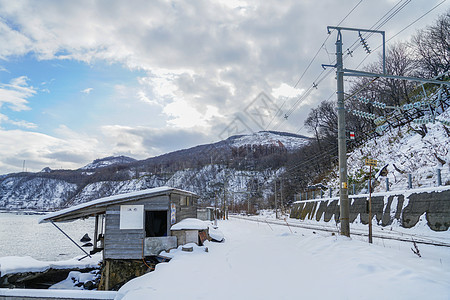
(156, 223)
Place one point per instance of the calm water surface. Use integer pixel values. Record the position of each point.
(21, 235)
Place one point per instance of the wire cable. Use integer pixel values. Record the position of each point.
(312, 60)
(406, 27)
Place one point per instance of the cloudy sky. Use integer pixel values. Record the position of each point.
(81, 80)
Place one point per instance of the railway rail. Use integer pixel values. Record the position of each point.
(388, 235)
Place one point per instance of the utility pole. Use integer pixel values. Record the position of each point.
(276, 209)
(215, 209)
(370, 204)
(281, 196)
(370, 163)
(342, 143)
(342, 146)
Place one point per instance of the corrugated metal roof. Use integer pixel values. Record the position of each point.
(98, 206)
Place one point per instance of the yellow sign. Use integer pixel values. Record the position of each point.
(371, 162)
(344, 185)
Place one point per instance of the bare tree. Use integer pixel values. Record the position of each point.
(432, 47)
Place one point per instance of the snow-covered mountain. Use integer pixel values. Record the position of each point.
(270, 138)
(235, 162)
(108, 161)
(26, 192)
(237, 166)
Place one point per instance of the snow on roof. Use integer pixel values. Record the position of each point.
(190, 224)
(102, 202)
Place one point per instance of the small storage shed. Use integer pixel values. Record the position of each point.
(190, 230)
(133, 225)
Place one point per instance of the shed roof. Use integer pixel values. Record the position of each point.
(98, 206)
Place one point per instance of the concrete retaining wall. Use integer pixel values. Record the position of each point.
(404, 206)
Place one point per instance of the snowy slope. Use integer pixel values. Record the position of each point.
(34, 193)
(279, 139)
(410, 153)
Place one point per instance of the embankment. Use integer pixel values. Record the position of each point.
(404, 206)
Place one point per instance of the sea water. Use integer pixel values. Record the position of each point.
(22, 235)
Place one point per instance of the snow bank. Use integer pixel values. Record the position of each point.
(58, 294)
(75, 281)
(216, 234)
(22, 264)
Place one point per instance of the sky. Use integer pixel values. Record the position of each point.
(81, 80)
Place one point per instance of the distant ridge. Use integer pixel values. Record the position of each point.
(108, 161)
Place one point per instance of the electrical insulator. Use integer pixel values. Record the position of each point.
(408, 106)
(445, 122)
(380, 120)
(381, 129)
(422, 121)
(364, 43)
(379, 104)
(363, 100)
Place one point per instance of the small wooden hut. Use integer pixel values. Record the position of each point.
(134, 225)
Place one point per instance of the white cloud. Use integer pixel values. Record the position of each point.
(87, 91)
(13, 42)
(184, 115)
(21, 124)
(286, 91)
(124, 139)
(143, 142)
(15, 94)
(204, 61)
(41, 150)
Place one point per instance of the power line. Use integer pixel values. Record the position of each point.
(323, 44)
(382, 21)
(406, 27)
(312, 60)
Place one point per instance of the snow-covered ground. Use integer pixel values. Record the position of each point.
(259, 260)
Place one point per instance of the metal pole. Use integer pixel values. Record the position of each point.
(342, 147)
(215, 209)
(225, 208)
(276, 209)
(439, 178)
(96, 232)
(281, 197)
(409, 181)
(370, 205)
(70, 239)
(387, 184)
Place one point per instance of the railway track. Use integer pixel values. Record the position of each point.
(395, 235)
